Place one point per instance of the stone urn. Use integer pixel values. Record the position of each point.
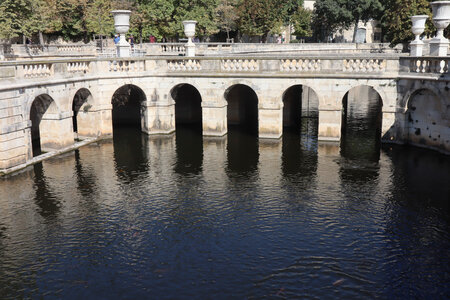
(189, 31)
(418, 27)
(441, 19)
(122, 25)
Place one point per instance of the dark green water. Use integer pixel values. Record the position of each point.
(185, 217)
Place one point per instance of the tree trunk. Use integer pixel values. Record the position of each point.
(355, 31)
(41, 38)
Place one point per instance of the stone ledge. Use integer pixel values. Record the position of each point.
(45, 156)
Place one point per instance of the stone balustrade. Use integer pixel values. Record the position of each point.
(184, 65)
(364, 65)
(300, 65)
(361, 67)
(126, 65)
(240, 65)
(81, 66)
(438, 65)
(37, 70)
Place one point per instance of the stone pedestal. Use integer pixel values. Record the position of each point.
(123, 50)
(270, 123)
(439, 47)
(417, 48)
(330, 125)
(214, 120)
(190, 49)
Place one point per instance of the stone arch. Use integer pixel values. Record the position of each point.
(43, 112)
(188, 105)
(428, 120)
(82, 103)
(299, 101)
(362, 111)
(242, 107)
(127, 106)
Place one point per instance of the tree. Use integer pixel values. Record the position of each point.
(203, 11)
(329, 15)
(396, 19)
(260, 17)
(153, 17)
(301, 20)
(14, 14)
(227, 15)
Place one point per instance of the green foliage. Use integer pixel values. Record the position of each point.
(260, 17)
(301, 21)
(227, 15)
(13, 14)
(396, 19)
(203, 11)
(329, 15)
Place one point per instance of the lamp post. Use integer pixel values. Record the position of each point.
(189, 31)
(441, 19)
(418, 27)
(122, 25)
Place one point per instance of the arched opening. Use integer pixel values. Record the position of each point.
(361, 123)
(188, 124)
(43, 105)
(188, 106)
(301, 112)
(428, 120)
(126, 103)
(242, 109)
(80, 107)
(129, 146)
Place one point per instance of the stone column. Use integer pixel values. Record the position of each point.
(93, 123)
(270, 122)
(56, 131)
(214, 118)
(330, 121)
(158, 118)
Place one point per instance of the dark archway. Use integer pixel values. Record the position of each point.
(242, 109)
(188, 105)
(188, 123)
(129, 156)
(41, 105)
(80, 102)
(428, 120)
(126, 103)
(361, 123)
(301, 112)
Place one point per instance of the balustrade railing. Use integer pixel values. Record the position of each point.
(37, 70)
(184, 65)
(240, 65)
(390, 67)
(74, 67)
(436, 65)
(126, 65)
(364, 65)
(300, 65)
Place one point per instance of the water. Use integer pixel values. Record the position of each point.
(188, 217)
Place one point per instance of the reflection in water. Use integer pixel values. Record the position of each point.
(85, 178)
(242, 153)
(300, 150)
(189, 149)
(49, 205)
(330, 227)
(129, 155)
(361, 130)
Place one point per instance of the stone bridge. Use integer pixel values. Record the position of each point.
(50, 104)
